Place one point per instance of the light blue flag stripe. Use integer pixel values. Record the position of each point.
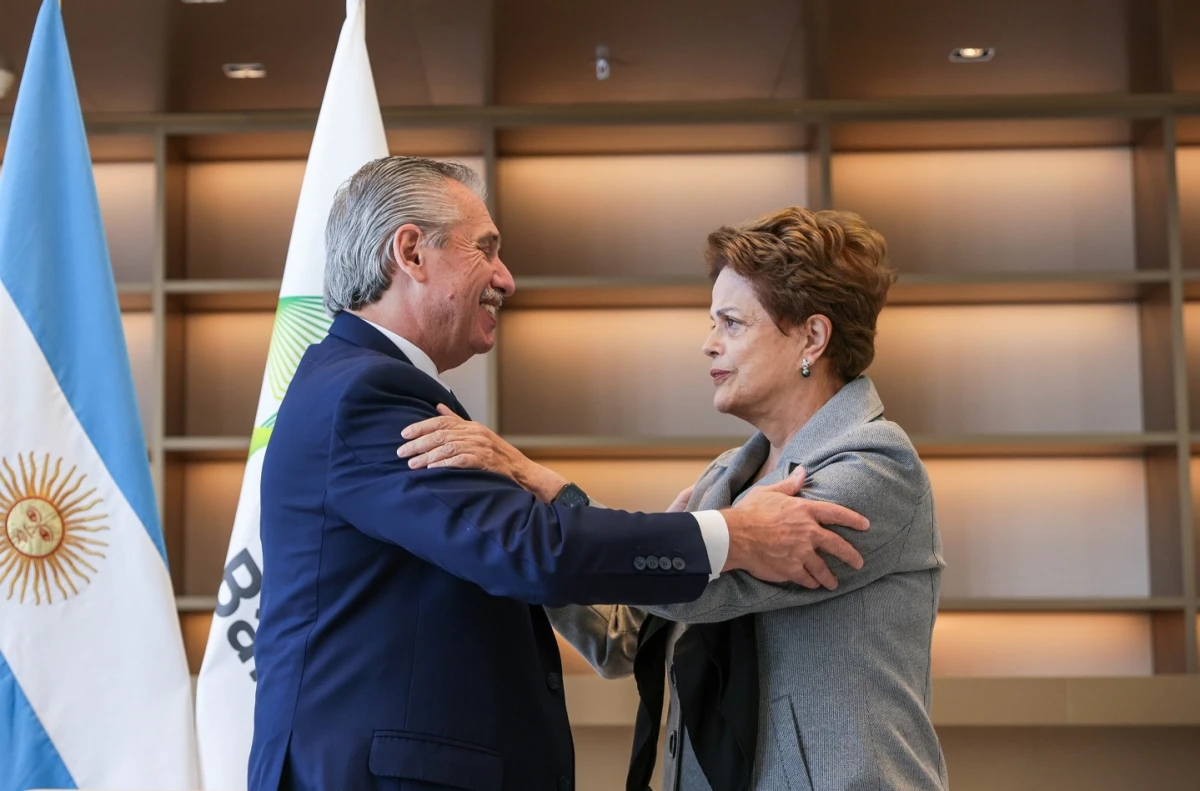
(54, 263)
(30, 758)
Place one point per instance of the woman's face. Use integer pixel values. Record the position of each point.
(755, 367)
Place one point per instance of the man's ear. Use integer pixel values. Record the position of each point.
(406, 243)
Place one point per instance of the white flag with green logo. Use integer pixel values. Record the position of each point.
(349, 134)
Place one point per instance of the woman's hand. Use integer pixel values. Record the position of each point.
(681, 500)
(450, 441)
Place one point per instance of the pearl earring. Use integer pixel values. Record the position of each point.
(805, 370)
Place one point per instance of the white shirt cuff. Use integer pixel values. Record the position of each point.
(715, 534)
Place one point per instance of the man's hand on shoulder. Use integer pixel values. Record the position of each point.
(778, 537)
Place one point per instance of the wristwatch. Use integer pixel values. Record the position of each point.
(571, 496)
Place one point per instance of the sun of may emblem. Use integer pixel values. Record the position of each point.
(45, 535)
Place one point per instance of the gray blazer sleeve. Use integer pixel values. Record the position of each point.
(873, 470)
(605, 634)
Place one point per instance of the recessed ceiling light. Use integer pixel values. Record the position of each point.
(603, 65)
(971, 54)
(244, 71)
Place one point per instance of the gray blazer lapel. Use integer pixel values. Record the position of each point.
(740, 468)
(856, 403)
(714, 495)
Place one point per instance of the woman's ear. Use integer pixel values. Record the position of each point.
(406, 243)
(818, 330)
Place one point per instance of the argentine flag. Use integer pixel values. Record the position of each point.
(94, 688)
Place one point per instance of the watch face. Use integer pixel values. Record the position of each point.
(572, 496)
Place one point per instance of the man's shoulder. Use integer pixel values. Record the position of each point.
(344, 370)
(372, 391)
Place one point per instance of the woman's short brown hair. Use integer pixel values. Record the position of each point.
(802, 263)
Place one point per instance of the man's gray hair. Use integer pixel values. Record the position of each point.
(368, 210)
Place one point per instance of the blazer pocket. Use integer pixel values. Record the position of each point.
(789, 750)
(432, 759)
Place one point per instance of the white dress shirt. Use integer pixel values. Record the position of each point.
(713, 530)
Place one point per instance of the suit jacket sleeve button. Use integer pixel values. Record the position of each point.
(664, 563)
(678, 564)
(639, 563)
(652, 563)
(554, 681)
(564, 784)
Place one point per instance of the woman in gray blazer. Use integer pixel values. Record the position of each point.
(823, 686)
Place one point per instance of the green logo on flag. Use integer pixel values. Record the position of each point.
(262, 434)
(299, 323)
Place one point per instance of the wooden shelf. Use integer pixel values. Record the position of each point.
(981, 134)
(970, 702)
(590, 447)
(965, 446)
(192, 604)
(1149, 604)
(579, 447)
(597, 447)
(223, 295)
(615, 292)
(208, 448)
(1191, 284)
(984, 288)
(1016, 445)
(135, 296)
(1068, 105)
(997, 288)
(1112, 702)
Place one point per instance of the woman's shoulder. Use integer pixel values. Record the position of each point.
(873, 458)
(884, 438)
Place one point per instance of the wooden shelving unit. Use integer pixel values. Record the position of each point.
(183, 303)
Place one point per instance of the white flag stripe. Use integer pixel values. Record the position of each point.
(349, 134)
(94, 666)
(225, 690)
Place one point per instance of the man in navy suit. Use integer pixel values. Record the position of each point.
(402, 643)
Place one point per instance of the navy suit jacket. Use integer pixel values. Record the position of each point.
(402, 643)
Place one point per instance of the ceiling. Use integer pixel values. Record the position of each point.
(166, 56)
(882, 48)
(662, 50)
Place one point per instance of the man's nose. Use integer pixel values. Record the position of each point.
(502, 279)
